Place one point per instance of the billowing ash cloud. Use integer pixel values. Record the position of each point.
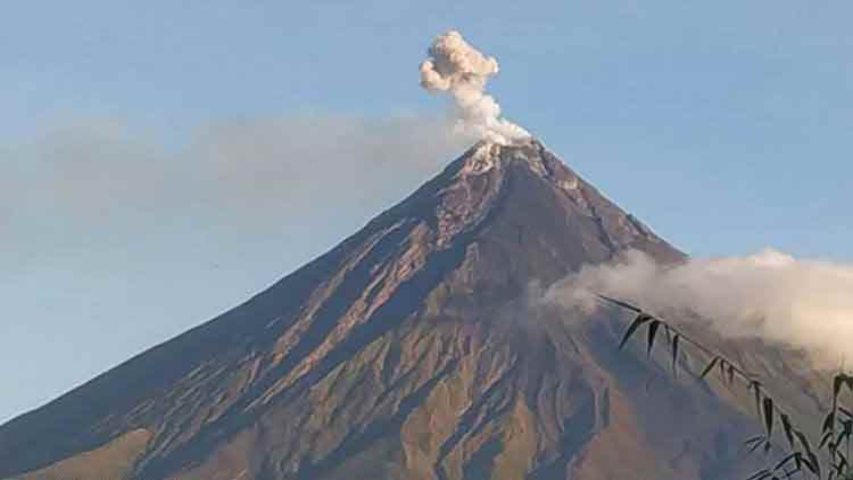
(455, 67)
(806, 304)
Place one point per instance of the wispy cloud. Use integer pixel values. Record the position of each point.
(97, 180)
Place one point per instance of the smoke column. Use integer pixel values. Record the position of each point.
(806, 304)
(455, 67)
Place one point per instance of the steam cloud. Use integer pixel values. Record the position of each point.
(806, 304)
(454, 66)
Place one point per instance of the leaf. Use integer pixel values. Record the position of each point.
(755, 446)
(620, 303)
(709, 367)
(675, 340)
(812, 463)
(760, 475)
(825, 438)
(753, 440)
(803, 441)
(848, 427)
(842, 463)
(768, 415)
(809, 463)
(840, 438)
(785, 460)
(828, 422)
(641, 319)
(837, 383)
(786, 426)
(756, 388)
(653, 330)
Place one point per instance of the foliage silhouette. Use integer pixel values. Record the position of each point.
(801, 457)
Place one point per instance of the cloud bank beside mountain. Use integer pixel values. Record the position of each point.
(803, 303)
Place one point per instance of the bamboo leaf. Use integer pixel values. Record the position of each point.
(620, 303)
(639, 320)
(653, 330)
(786, 427)
(760, 475)
(837, 383)
(675, 340)
(768, 415)
(842, 463)
(756, 390)
(812, 462)
(709, 367)
(755, 446)
(785, 460)
(828, 422)
(798, 460)
(824, 439)
(753, 440)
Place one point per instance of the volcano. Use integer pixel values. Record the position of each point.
(416, 349)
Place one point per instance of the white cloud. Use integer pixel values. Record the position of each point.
(803, 303)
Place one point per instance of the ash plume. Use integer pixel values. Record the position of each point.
(457, 68)
(805, 304)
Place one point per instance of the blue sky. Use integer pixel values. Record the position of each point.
(725, 125)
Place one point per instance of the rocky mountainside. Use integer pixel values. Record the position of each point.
(416, 349)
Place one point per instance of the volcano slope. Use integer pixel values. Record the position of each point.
(417, 349)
